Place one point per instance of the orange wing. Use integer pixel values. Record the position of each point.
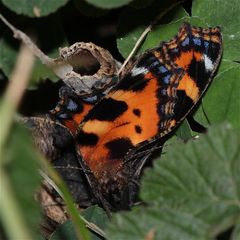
(153, 97)
(71, 109)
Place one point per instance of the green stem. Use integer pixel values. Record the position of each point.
(13, 94)
(11, 216)
(80, 228)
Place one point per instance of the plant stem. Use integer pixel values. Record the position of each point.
(144, 34)
(11, 215)
(78, 222)
(14, 92)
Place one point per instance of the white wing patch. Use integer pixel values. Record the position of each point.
(208, 63)
(138, 70)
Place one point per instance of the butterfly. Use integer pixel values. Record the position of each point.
(114, 136)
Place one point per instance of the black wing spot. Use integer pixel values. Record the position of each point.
(133, 83)
(107, 110)
(137, 112)
(118, 147)
(183, 105)
(197, 71)
(87, 139)
(138, 129)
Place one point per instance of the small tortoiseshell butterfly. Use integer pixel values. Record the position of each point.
(153, 96)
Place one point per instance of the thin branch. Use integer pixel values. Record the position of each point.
(144, 34)
(60, 68)
(26, 40)
(55, 180)
(89, 225)
(135, 48)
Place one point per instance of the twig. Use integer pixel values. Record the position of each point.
(55, 180)
(89, 225)
(60, 68)
(59, 185)
(135, 48)
(144, 34)
(24, 38)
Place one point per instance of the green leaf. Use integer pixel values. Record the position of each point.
(141, 3)
(236, 232)
(156, 223)
(184, 131)
(133, 22)
(200, 178)
(92, 214)
(20, 163)
(221, 102)
(226, 15)
(88, 9)
(193, 192)
(167, 31)
(96, 215)
(42, 72)
(64, 231)
(34, 8)
(8, 54)
(107, 4)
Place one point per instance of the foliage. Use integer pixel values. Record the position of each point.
(34, 8)
(193, 191)
(20, 162)
(94, 214)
